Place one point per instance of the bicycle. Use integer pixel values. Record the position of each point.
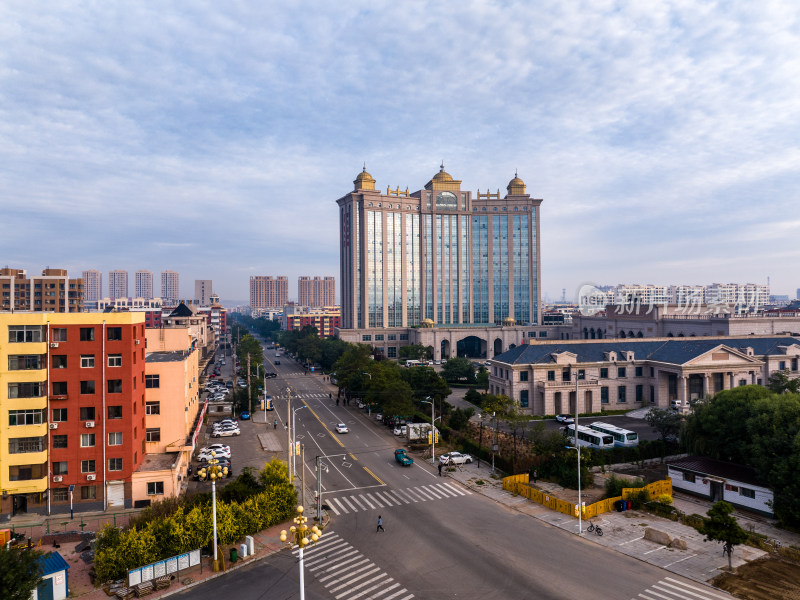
(595, 528)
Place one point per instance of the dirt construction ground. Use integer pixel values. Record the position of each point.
(768, 579)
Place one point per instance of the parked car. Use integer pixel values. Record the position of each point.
(245, 415)
(226, 432)
(401, 430)
(218, 453)
(342, 428)
(216, 447)
(565, 418)
(276, 362)
(378, 417)
(455, 458)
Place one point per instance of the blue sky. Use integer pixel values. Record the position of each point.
(213, 138)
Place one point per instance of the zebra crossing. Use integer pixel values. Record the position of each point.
(673, 589)
(347, 574)
(386, 498)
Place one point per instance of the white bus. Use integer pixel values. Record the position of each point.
(413, 363)
(622, 437)
(590, 437)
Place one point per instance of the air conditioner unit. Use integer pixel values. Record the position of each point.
(89, 424)
(58, 478)
(53, 425)
(54, 345)
(137, 342)
(91, 477)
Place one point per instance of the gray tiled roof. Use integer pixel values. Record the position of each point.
(716, 468)
(673, 350)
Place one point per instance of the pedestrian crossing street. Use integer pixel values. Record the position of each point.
(385, 498)
(673, 589)
(347, 574)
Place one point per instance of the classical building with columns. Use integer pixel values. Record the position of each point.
(438, 258)
(632, 373)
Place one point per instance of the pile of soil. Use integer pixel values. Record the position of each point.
(765, 579)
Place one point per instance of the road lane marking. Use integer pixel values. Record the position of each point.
(438, 494)
(353, 578)
(377, 499)
(392, 499)
(402, 493)
(703, 589)
(355, 499)
(338, 565)
(656, 549)
(350, 504)
(422, 492)
(633, 540)
(364, 498)
(677, 561)
(457, 489)
(373, 580)
(378, 479)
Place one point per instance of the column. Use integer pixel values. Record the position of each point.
(682, 395)
(706, 385)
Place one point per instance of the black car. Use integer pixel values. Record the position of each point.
(277, 362)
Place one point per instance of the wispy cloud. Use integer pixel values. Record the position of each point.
(140, 135)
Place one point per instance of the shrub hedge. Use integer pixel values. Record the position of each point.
(176, 526)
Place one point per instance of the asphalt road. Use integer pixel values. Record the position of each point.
(440, 539)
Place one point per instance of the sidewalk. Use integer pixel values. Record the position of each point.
(624, 531)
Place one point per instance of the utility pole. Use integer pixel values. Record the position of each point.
(289, 432)
(319, 490)
(303, 473)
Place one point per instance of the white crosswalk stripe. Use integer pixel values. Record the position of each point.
(347, 574)
(389, 498)
(670, 588)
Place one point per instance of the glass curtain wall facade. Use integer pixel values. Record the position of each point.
(438, 254)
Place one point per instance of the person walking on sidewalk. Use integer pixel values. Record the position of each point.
(440, 469)
(275, 424)
(380, 525)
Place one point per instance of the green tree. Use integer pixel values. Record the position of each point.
(482, 379)
(780, 382)
(460, 417)
(473, 397)
(720, 526)
(426, 383)
(20, 572)
(351, 366)
(458, 369)
(666, 422)
(413, 352)
(248, 345)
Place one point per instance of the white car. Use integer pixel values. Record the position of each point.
(206, 456)
(226, 432)
(378, 417)
(401, 430)
(215, 448)
(342, 428)
(565, 418)
(455, 458)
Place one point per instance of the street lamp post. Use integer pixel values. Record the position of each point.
(577, 448)
(289, 449)
(293, 428)
(494, 445)
(298, 535)
(213, 472)
(433, 429)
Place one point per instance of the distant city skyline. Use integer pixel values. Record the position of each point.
(206, 144)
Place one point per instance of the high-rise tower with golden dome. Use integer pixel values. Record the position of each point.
(439, 254)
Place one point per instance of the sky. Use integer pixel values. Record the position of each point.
(213, 138)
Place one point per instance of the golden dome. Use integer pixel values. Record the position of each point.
(442, 175)
(516, 187)
(364, 181)
(509, 322)
(427, 323)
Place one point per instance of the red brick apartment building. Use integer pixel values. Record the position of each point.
(76, 387)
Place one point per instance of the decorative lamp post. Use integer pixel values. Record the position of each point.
(213, 471)
(299, 535)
